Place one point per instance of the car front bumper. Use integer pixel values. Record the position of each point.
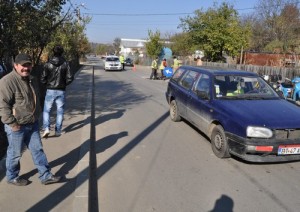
(245, 149)
(113, 68)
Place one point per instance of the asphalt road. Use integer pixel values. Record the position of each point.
(146, 162)
(142, 161)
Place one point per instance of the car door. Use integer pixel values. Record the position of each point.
(198, 103)
(183, 91)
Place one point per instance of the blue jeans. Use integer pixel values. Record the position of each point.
(28, 136)
(58, 97)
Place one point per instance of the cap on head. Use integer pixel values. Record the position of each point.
(23, 59)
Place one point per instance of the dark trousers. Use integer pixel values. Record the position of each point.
(153, 74)
(162, 73)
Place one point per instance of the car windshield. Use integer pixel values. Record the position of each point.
(112, 59)
(242, 87)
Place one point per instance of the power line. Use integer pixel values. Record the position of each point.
(145, 14)
(137, 14)
(151, 14)
(166, 14)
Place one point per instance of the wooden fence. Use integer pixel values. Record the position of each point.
(289, 73)
(285, 72)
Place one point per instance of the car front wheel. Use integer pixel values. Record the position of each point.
(219, 142)
(174, 111)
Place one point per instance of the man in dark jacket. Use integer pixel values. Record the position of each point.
(56, 76)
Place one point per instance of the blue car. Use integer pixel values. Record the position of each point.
(238, 111)
(290, 90)
(296, 89)
(286, 88)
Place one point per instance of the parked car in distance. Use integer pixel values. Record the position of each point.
(286, 88)
(112, 63)
(128, 62)
(291, 90)
(238, 111)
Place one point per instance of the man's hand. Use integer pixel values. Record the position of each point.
(16, 128)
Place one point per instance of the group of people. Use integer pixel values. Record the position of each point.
(20, 111)
(163, 65)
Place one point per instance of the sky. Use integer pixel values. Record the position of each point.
(132, 19)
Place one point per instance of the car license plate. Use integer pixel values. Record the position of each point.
(289, 150)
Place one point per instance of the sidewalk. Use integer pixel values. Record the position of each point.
(68, 156)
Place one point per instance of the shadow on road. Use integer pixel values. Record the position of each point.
(112, 99)
(223, 204)
(61, 193)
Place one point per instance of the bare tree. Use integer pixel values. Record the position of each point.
(116, 45)
(276, 25)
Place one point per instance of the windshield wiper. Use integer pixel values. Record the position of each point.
(254, 97)
(230, 97)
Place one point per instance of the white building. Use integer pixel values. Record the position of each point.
(129, 47)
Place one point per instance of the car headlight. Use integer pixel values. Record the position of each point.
(259, 132)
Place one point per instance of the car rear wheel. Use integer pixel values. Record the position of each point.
(174, 111)
(219, 142)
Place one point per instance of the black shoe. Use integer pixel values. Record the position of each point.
(18, 182)
(52, 179)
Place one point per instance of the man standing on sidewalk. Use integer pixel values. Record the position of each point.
(56, 76)
(20, 110)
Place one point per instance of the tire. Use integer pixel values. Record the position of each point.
(174, 111)
(219, 142)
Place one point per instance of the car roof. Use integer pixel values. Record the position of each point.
(218, 70)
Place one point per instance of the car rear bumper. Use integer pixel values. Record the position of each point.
(246, 149)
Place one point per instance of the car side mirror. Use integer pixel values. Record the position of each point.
(202, 94)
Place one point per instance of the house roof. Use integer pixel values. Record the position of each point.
(132, 43)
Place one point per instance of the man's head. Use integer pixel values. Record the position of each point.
(58, 50)
(23, 64)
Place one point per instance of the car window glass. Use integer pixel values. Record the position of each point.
(188, 79)
(177, 74)
(220, 86)
(203, 84)
(112, 59)
(242, 86)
